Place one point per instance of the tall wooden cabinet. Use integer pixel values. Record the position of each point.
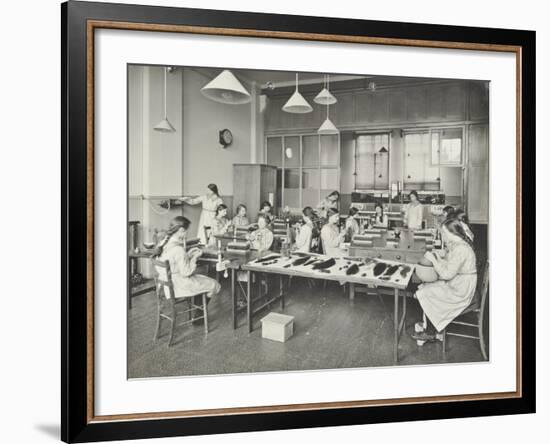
(478, 173)
(253, 184)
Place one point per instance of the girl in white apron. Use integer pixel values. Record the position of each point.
(210, 201)
(220, 224)
(303, 240)
(414, 212)
(331, 237)
(184, 263)
(443, 300)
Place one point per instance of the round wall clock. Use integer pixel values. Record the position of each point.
(226, 138)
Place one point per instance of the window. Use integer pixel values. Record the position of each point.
(372, 161)
(308, 167)
(447, 147)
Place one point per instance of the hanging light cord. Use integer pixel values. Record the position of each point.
(165, 114)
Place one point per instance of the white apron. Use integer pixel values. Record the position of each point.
(445, 299)
(207, 215)
(186, 283)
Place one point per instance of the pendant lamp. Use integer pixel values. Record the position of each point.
(325, 97)
(297, 104)
(327, 128)
(226, 88)
(164, 126)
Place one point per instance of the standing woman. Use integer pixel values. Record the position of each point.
(331, 201)
(445, 299)
(330, 234)
(414, 212)
(210, 202)
(380, 219)
(184, 263)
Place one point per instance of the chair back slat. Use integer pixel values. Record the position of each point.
(163, 278)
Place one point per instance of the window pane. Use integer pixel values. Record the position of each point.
(292, 188)
(451, 147)
(310, 151)
(329, 181)
(292, 151)
(310, 187)
(274, 151)
(329, 150)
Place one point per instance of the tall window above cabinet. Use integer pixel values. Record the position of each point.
(372, 161)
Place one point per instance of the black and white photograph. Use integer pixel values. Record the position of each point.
(285, 221)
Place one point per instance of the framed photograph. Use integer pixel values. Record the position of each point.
(275, 221)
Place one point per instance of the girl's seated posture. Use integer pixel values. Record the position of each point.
(240, 219)
(267, 210)
(303, 240)
(262, 238)
(220, 224)
(352, 226)
(380, 219)
(330, 234)
(184, 263)
(445, 299)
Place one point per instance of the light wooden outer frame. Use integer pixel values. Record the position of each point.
(91, 26)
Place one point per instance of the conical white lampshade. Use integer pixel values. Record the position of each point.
(325, 97)
(297, 104)
(327, 128)
(164, 126)
(226, 88)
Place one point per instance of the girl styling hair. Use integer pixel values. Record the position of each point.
(458, 228)
(175, 224)
(219, 208)
(214, 188)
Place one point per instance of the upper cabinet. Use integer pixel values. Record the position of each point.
(435, 102)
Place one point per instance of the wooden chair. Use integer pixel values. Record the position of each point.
(477, 308)
(168, 303)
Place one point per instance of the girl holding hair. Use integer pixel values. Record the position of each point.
(331, 201)
(445, 299)
(461, 216)
(262, 238)
(184, 263)
(413, 212)
(330, 234)
(240, 219)
(210, 202)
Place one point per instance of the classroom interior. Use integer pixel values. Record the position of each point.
(371, 138)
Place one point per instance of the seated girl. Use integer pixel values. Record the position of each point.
(220, 224)
(184, 263)
(267, 210)
(331, 237)
(461, 216)
(262, 238)
(352, 225)
(240, 219)
(445, 299)
(380, 219)
(303, 240)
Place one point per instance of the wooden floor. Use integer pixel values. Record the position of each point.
(329, 332)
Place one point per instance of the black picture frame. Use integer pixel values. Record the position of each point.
(77, 424)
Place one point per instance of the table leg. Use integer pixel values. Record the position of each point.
(395, 324)
(282, 292)
(249, 301)
(233, 299)
(351, 291)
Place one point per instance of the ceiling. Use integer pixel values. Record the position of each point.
(283, 82)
